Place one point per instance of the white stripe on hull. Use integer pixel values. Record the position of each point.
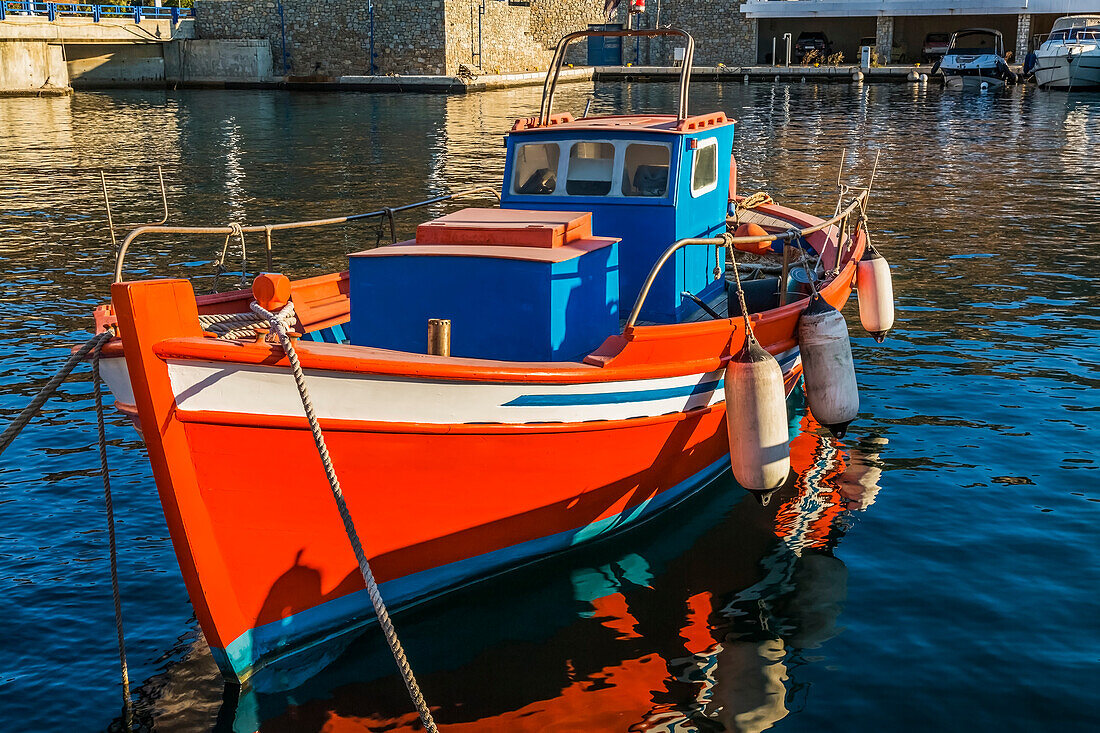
(263, 390)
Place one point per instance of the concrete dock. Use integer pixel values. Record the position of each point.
(485, 82)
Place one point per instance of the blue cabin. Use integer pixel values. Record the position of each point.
(587, 208)
(647, 179)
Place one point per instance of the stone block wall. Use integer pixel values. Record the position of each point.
(722, 33)
(515, 38)
(331, 38)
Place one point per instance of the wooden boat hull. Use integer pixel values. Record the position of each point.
(453, 469)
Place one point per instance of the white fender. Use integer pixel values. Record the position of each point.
(876, 295)
(756, 415)
(831, 390)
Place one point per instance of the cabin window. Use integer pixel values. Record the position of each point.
(591, 167)
(704, 167)
(645, 170)
(536, 168)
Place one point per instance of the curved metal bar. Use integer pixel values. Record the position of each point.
(120, 260)
(550, 85)
(729, 240)
(679, 244)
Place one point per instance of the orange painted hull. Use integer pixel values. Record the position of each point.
(437, 504)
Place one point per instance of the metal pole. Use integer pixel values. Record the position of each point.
(775, 61)
(370, 12)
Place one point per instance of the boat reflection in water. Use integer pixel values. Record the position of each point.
(693, 625)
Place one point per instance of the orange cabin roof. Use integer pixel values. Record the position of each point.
(511, 227)
(514, 234)
(644, 122)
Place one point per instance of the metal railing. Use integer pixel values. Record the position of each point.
(53, 11)
(730, 240)
(551, 84)
(267, 229)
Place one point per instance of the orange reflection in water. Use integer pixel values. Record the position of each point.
(690, 656)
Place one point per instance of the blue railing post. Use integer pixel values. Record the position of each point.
(175, 15)
(137, 14)
(28, 6)
(3, 10)
(95, 13)
(51, 11)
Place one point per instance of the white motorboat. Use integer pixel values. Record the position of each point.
(1069, 58)
(975, 60)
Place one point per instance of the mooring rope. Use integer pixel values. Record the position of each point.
(94, 345)
(127, 702)
(48, 389)
(276, 321)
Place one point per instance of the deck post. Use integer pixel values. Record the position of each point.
(439, 336)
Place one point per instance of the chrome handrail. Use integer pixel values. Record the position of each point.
(268, 228)
(730, 240)
(549, 86)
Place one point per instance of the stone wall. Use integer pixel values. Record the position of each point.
(722, 33)
(515, 38)
(331, 38)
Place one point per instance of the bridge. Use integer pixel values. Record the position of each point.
(48, 48)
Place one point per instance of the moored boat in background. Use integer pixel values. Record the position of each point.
(1069, 58)
(975, 59)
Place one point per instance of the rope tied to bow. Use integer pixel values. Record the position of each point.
(276, 321)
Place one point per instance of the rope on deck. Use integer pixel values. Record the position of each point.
(242, 325)
(277, 323)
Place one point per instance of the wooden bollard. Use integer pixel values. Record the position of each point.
(439, 336)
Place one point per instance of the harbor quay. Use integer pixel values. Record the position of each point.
(460, 46)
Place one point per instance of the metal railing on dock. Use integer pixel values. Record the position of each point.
(53, 11)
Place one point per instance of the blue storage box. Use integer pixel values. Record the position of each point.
(552, 297)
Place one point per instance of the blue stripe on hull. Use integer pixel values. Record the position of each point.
(603, 398)
(307, 629)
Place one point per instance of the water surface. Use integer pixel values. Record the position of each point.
(931, 571)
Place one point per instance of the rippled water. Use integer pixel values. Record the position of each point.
(933, 571)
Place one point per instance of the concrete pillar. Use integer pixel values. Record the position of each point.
(884, 37)
(32, 68)
(1023, 37)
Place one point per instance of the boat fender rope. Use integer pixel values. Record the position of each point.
(219, 261)
(48, 389)
(276, 321)
(97, 389)
(749, 335)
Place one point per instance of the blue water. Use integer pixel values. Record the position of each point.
(932, 571)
